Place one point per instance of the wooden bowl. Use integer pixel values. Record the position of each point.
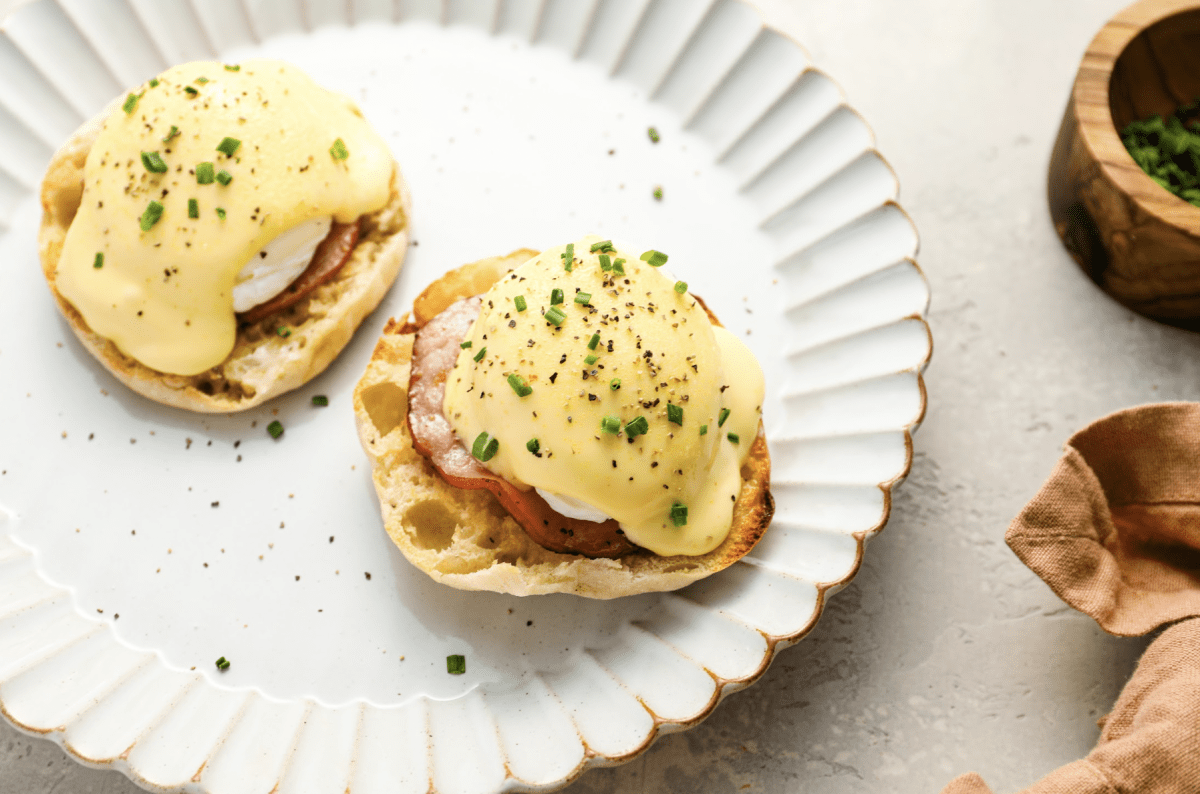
(1135, 239)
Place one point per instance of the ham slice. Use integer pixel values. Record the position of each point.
(333, 252)
(434, 352)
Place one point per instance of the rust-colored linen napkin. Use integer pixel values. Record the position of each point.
(1115, 532)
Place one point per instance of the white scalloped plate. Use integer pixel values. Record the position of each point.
(140, 543)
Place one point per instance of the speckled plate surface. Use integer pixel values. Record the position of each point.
(139, 543)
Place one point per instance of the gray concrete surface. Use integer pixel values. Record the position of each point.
(945, 655)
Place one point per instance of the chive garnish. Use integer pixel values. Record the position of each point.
(275, 429)
(653, 133)
(556, 297)
(619, 267)
(582, 298)
(614, 384)
(555, 316)
(456, 664)
(479, 356)
(519, 385)
(654, 258)
(721, 417)
(228, 146)
(590, 360)
(611, 424)
(519, 302)
(154, 82)
(193, 209)
(605, 262)
(233, 67)
(568, 257)
(153, 212)
(603, 245)
(658, 192)
(283, 331)
(533, 445)
(675, 414)
(174, 131)
(191, 91)
(637, 427)
(221, 213)
(679, 514)
(681, 287)
(733, 437)
(131, 103)
(484, 449)
(224, 177)
(201, 80)
(338, 150)
(595, 340)
(704, 430)
(205, 173)
(99, 263)
(320, 399)
(222, 663)
(467, 344)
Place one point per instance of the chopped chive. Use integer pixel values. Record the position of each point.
(590, 360)
(233, 67)
(224, 177)
(338, 150)
(154, 82)
(603, 245)
(456, 664)
(193, 209)
(733, 437)
(653, 133)
(320, 400)
(619, 267)
(679, 514)
(519, 302)
(582, 298)
(99, 263)
(467, 344)
(681, 287)
(275, 429)
(221, 213)
(556, 297)
(658, 192)
(228, 146)
(605, 262)
(555, 316)
(637, 427)
(174, 131)
(721, 417)
(153, 163)
(533, 445)
(191, 91)
(568, 257)
(595, 340)
(611, 424)
(519, 385)
(201, 80)
(704, 430)
(153, 212)
(654, 258)
(283, 331)
(675, 414)
(479, 356)
(222, 663)
(614, 384)
(484, 449)
(131, 103)
(205, 173)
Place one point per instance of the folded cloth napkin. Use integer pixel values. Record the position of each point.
(1115, 532)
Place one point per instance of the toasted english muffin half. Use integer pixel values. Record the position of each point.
(262, 364)
(464, 538)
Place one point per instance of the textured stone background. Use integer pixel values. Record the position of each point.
(945, 654)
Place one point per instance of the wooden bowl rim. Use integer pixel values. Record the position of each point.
(1102, 139)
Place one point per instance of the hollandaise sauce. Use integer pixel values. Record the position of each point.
(599, 380)
(192, 175)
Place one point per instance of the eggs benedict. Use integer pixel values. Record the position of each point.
(216, 236)
(617, 425)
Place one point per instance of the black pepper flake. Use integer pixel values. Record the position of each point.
(552, 377)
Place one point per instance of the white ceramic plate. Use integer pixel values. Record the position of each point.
(138, 543)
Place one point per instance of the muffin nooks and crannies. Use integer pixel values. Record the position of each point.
(573, 371)
(215, 237)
